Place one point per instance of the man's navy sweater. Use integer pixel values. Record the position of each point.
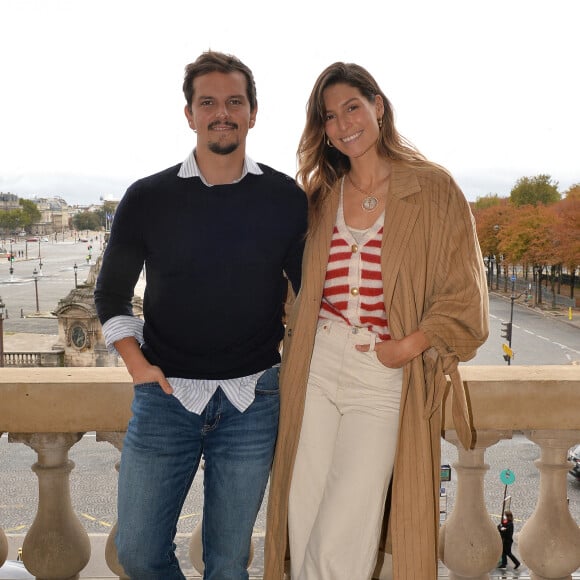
(215, 264)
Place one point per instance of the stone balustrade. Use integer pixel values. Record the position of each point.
(49, 409)
(52, 358)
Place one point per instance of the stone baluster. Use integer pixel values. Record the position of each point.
(469, 543)
(56, 545)
(3, 542)
(549, 542)
(3, 547)
(115, 438)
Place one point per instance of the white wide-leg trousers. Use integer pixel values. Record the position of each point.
(345, 458)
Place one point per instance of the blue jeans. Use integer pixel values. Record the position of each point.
(161, 454)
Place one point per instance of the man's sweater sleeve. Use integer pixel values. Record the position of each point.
(122, 261)
(293, 263)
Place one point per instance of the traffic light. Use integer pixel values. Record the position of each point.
(506, 331)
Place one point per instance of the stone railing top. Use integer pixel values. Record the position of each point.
(79, 399)
(64, 399)
(522, 398)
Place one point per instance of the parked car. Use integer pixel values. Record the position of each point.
(574, 458)
(13, 570)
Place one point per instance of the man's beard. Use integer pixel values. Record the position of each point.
(219, 149)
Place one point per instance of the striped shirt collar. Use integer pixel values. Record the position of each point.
(190, 168)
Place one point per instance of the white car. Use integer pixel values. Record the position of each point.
(574, 458)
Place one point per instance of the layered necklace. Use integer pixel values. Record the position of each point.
(370, 201)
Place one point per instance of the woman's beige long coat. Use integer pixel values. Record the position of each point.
(433, 279)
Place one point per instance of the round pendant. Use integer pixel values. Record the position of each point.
(370, 203)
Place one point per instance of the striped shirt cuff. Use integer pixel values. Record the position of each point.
(120, 327)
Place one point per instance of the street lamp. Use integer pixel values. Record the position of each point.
(76, 269)
(2, 311)
(40, 266)
(35, 276)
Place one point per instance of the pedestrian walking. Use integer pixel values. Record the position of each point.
(506, 530)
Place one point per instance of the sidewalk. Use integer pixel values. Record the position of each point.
(559, 313)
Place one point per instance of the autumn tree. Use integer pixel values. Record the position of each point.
(567, 212)
(489, 220)
(529, 238)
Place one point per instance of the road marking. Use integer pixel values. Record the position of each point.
(16, 529)
(93, 519)
(559, 344)
(187, 516)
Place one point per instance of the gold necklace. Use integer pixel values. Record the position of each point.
(370, 202)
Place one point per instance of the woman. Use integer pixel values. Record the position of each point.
(393, 296)
(506, 530)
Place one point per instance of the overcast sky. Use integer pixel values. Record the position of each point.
(91, 99)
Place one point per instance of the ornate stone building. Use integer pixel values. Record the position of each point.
(79, 329)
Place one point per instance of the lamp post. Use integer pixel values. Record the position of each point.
(2, 311)
(40, 266)
(35, 276)
(76, 271)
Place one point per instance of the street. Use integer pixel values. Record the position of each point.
(537, 339)
(55, 278)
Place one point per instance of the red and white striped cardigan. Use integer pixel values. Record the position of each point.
(353, 288)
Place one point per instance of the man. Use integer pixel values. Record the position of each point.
(219, 236)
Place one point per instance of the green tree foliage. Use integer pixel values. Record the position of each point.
(489, 200)
(87, 220)
(573, 192)
(11, 220)
(108, 209)
(31, 214)
(15, 220)
(535, 190)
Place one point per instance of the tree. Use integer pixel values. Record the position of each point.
(573, 192)
(567, 212)
(489, 222)
(30, 213)
(106, 213)
(87, 220)
(534, 191)
(489, 200)
(11, 220)
(530, 239)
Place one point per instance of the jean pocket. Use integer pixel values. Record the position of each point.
(268, 383)
(150, 385)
